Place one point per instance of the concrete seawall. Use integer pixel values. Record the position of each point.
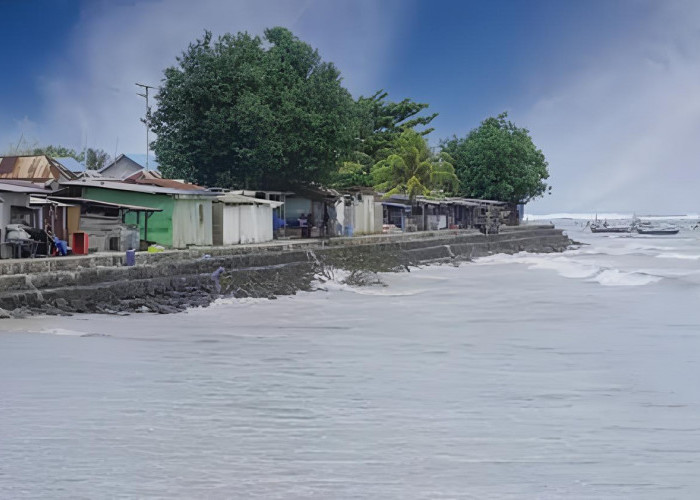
(173, 280)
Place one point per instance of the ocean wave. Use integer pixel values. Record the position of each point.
(63, 332)
(573, 269)
(616, 277)
(680, 256)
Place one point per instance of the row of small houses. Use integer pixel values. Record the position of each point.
(125, 206)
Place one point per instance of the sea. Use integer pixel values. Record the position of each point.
(572, 375)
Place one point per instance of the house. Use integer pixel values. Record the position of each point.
(181, 216)
(279, 212)
(398, 213)
(32, 174)
(359, 211)
(126, 165)
(103, 222)
(237, 218)
(15, 204)
(318, 204)
(431, 214)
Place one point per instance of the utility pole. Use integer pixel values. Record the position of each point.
(145, 120)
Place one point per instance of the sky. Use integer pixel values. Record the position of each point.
(609, 89)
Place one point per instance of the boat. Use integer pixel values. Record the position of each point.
(646, 227)
(657, 231)
(597, 227)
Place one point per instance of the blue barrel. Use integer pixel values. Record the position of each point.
(130, 257)
(348, 230)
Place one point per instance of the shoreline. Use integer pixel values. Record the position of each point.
(173, 281)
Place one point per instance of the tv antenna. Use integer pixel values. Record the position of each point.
(145, 120)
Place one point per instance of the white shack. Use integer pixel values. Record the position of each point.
(239, 219)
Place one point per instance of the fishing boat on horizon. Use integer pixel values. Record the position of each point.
(654, 230)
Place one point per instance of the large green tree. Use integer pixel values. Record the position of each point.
(411, 168)
(248, 112)
(382, 122)
(499, 161)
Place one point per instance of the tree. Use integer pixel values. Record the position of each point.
(95, 159)
(385, 121)
(411, 168)
(248, 112)
(57, 152)
(499, 161)
(382, 122)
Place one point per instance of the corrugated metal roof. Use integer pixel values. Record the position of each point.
(484, 202)
(239, 199)
(37, 200)
(137, 188)
(167, 183)
(35, 168)
(71, 164)
(87, 201)
(22, 187)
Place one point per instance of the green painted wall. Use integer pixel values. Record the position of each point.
(160, 224)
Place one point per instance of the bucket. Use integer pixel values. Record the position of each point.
(130, 257)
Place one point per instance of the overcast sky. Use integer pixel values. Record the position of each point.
(610, 90)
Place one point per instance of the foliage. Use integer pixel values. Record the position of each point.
(382, 122)
(57, 152)
(95, 159)
(499, 161)
(253, 113)
(411, 168)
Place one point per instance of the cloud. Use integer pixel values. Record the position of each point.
(93, 98)
(621, 132)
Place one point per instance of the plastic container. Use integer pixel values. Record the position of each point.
(130, 257)
(61, 246)
(348, 230)
(80, 243)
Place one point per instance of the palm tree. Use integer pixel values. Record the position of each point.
(413, 169)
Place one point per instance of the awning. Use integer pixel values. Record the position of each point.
(35, 200)
(400, 205)
(239, 199)
(86, 201)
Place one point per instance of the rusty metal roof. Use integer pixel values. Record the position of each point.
(33, 168)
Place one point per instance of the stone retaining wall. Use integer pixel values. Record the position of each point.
(171, 281)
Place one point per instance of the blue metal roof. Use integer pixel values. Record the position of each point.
(71, 164)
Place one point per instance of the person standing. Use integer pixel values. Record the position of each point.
(304, 225)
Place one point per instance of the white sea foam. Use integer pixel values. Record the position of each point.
(678, 256)
(615, 277)
(63, 332)
(564, 266)
(571, 268)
